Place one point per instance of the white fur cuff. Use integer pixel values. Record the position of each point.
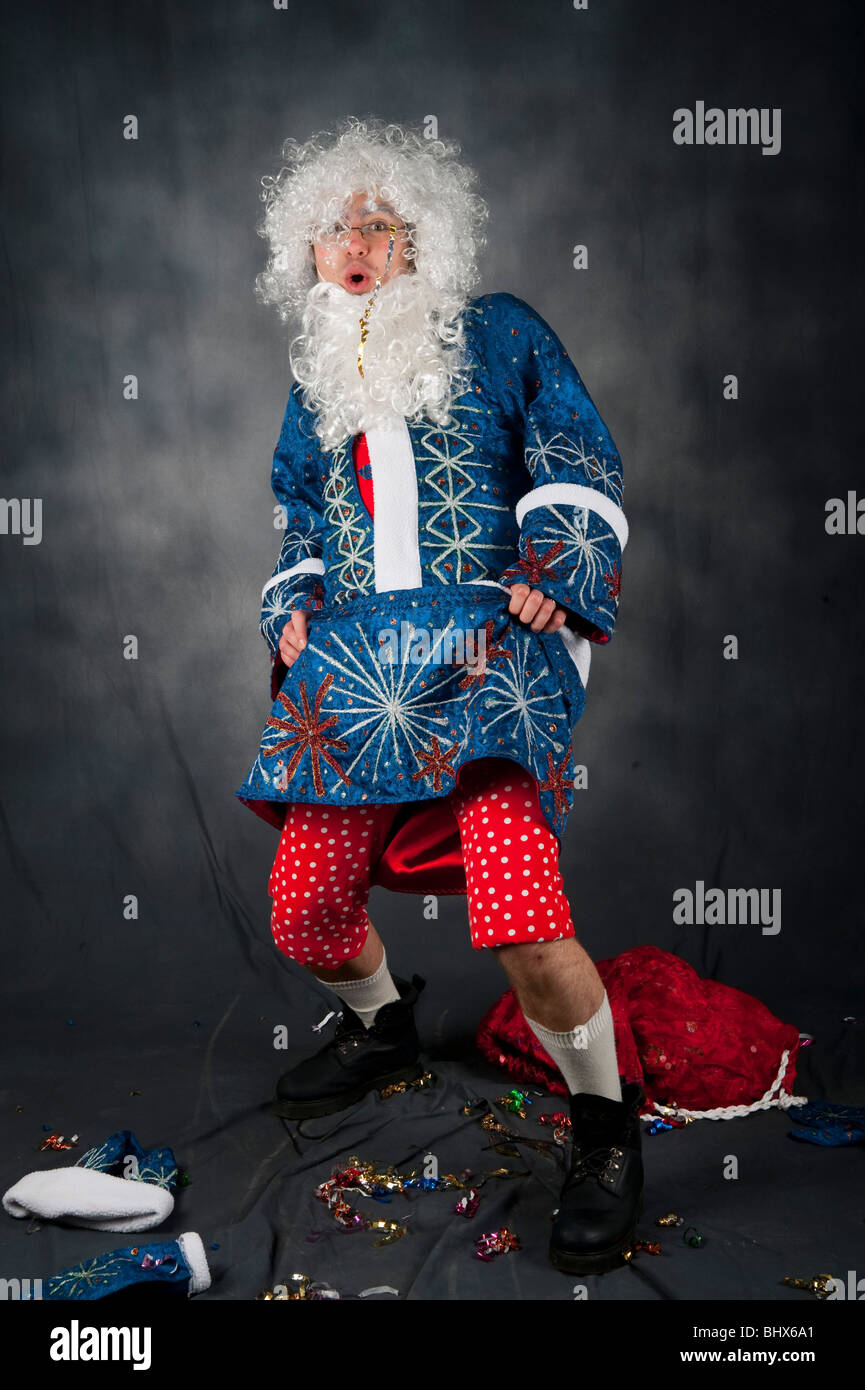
(192, 1248)
(86, 1197)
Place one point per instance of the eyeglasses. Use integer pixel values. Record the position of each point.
(374, 233)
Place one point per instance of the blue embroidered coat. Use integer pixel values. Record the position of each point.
(413, 665)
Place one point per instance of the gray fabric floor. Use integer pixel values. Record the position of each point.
(204, 1086)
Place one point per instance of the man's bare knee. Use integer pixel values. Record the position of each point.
(532, 957)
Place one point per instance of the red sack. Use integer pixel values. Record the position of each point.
(693, 1043)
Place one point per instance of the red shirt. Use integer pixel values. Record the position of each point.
(363, 469)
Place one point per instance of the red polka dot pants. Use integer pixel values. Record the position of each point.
(320, 880)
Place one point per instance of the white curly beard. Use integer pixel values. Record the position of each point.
(409, 368)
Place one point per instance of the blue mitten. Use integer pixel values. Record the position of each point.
(178, 1266)
(115, 1186)
(828, 1123)
(123, 1157)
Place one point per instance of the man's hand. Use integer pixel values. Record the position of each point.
(293, 639)
(533, 607)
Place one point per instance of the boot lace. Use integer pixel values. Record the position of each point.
(348, 1035)
(601, 1162)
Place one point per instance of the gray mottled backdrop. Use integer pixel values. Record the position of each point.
(138, 257)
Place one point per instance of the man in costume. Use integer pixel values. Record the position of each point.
(451, 503)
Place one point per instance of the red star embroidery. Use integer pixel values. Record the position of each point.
(434, 763)
(614, 581)
(535, 568)
(558, 783)
(491, 650)
(306, 731)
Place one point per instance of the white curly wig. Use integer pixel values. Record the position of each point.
(415, 364)
(421, 178)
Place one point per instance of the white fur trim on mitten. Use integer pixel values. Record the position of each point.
(86, 1197)
(192, 1249)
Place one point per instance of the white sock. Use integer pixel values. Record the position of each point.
(367, 996)
(586, 1056)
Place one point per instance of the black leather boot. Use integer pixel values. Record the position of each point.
(356, 1060)
(602, 1195)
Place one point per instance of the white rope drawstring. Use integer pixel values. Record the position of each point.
(783, 1100)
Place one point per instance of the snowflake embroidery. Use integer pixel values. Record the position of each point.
(558, 784)
(515, 700)
(559, 449)
(101, 1157)
(307, 732)
(157, 1176)
(282, 600)
(435, 763)
(298, 545)
(391, 701)
(533, 569)
(102, 1269)
(613, 581)
(492, 651)
(586, 556)
(608, 475)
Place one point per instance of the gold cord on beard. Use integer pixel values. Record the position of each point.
(364, 322)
